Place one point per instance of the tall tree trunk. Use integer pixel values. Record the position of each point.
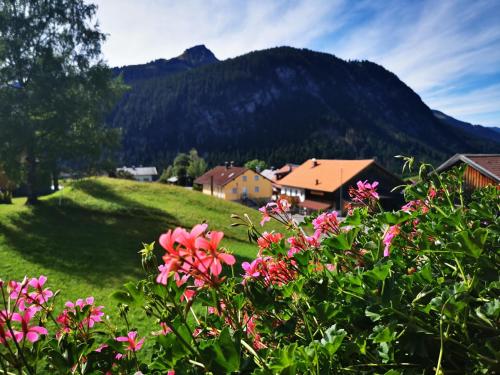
(31, 179)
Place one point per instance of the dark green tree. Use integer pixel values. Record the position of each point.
(197, 165)
(54, 88)
(180, 168)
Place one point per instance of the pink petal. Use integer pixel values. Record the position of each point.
(32, 336)
(121, 338)
(198, 229)
(227, 258)
(138, 346)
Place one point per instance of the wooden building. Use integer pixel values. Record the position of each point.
(481, 169)
(324, 184)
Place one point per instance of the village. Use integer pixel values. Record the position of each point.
(320, 184)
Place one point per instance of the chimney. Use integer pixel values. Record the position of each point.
(317, 182)
(231, 164)
(315, 162)
(226, 164)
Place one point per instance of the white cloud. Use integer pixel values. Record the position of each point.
(436, 47)
(144, 30)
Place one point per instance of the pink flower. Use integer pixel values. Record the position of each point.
(251, 269)
(365, 193)
(213, 259)
(31, 333)
(269, 271)
(389, 235)
(265, 216)
(68, 317)
(41, 295)
(101, 347)
(133, 344)
(267, 239)
(325, 223)
(195, 255)
(165, 330)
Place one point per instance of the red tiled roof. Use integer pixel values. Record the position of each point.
(221, 175)
(314, 205)
(324, 175)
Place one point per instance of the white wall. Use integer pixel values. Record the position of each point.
(294, 192)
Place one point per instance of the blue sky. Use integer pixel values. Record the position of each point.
(447, 51)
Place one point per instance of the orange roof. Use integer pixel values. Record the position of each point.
(324, 175)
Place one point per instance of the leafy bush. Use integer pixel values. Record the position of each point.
(408, 292)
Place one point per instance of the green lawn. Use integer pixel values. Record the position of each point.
(85, 238)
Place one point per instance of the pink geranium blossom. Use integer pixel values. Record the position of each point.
(193, 255)
(28, 331)
(40, 295)
(326, 223)
(133, 344)
(267, 239)
(389, 235)
(365, 193)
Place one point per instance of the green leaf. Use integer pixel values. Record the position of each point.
(352, 220)
(383, 334)
(223, 353)
(284, 361)
(379, 273)
(474, 242)
(333, 339)
(393, 218)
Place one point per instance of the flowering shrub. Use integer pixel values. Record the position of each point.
(412, 291)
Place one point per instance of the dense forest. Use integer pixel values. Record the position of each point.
(280, 105)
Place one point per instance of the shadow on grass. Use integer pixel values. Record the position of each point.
(92, 244)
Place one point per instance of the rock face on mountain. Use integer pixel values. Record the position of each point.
(281, 105)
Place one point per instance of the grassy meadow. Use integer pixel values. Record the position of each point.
(85, 238)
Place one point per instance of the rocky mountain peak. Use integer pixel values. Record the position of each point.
(198, 55)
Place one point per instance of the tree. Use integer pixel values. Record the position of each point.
(197, 165)
(256, 165)
(54, 87)
(166, 174)
(180, 167)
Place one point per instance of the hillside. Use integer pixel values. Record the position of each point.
(473, 130)
(86, 237)
(284, 105)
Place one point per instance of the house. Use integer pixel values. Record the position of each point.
(324, 184)
(284, 170)
(235, 183)
(140, 173)
(277, 174)
(481, 169)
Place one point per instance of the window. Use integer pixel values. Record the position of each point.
(234, 190)
(256, 177)
(244, 178)
(256, 189)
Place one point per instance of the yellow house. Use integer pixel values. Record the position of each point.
(235, 183)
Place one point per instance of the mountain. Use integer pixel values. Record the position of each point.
(191, 58)
(281, 105)
(473, 130)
